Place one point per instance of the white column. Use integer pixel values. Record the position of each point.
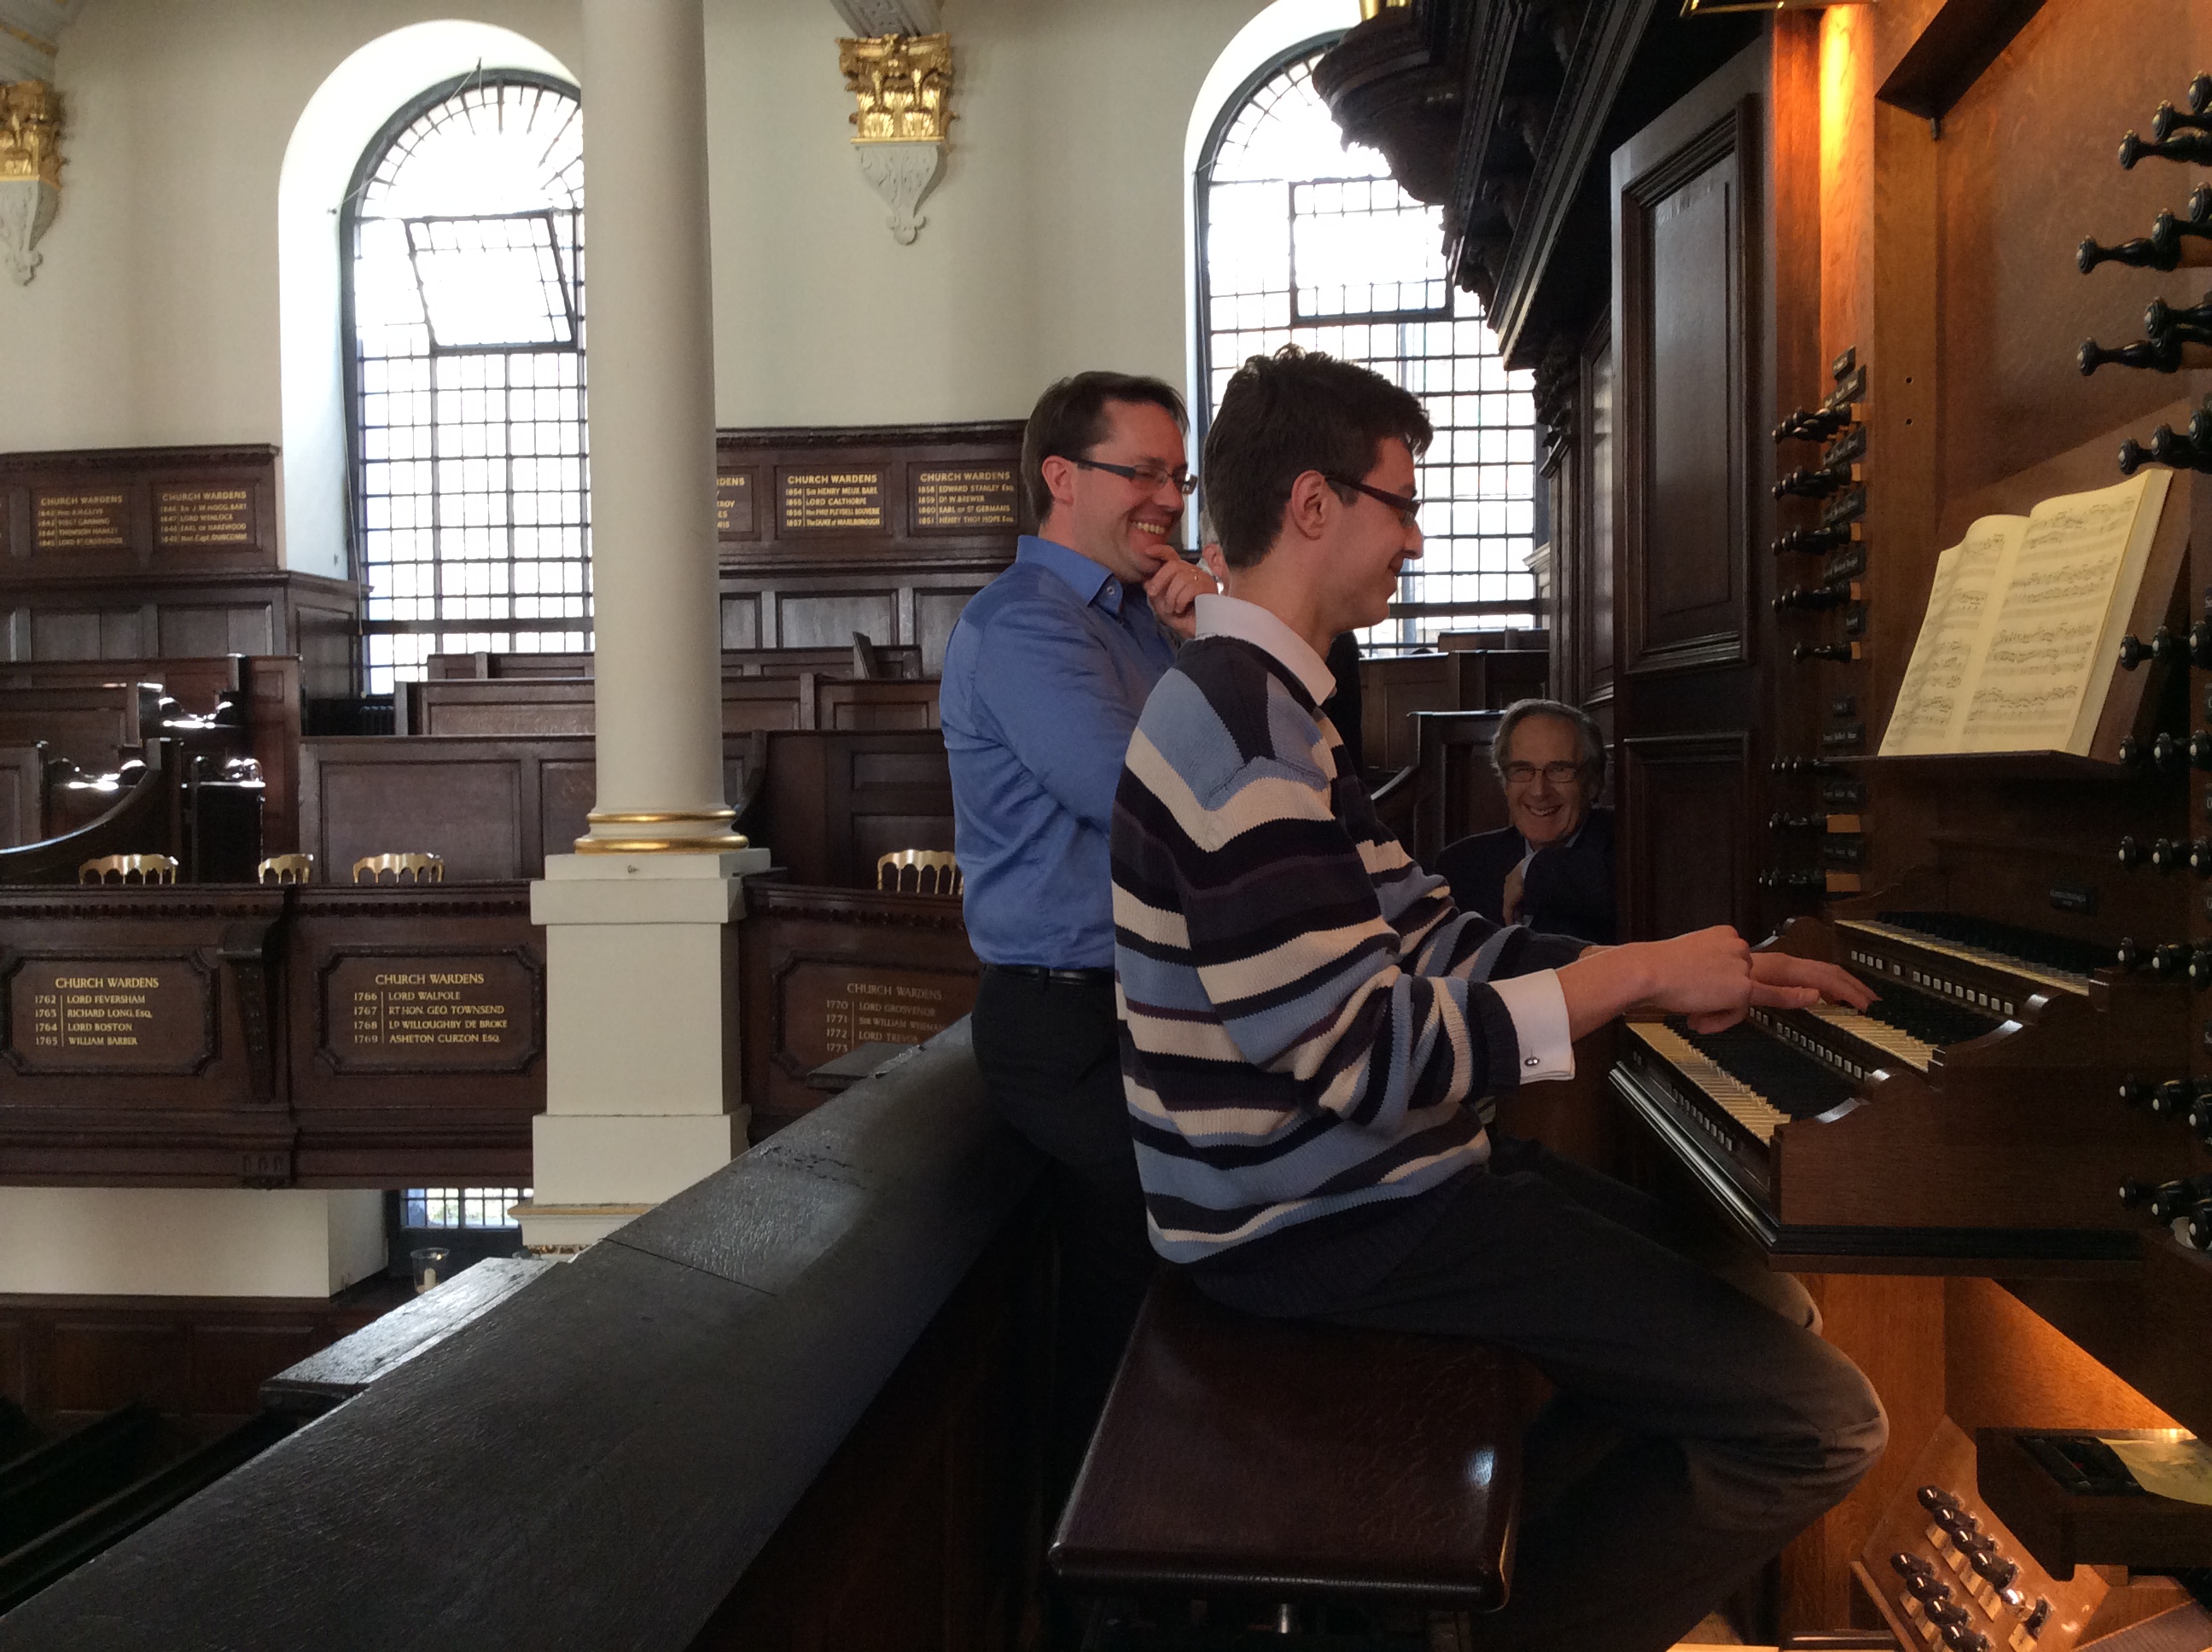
(642, 1084)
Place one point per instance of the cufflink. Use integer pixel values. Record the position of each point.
(1532, 1060)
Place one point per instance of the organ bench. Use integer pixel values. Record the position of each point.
(1259, 1460)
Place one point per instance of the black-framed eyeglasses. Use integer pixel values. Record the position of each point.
(1558, 774)
(1409, 506)
(1150, 478)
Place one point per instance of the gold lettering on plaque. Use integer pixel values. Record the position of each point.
(80, 522)
(733, 504)
(204, 516)
(970, 497)
(833, 500)
(107, 1017)
(438, 1007)
(882, 1012)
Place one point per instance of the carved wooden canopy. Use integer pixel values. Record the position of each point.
(1505, 112)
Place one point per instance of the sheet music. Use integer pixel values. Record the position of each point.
(2045, 645)
(1931, 700)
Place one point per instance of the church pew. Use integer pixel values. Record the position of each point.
(821, 1367)
(833, 801)
(22, 793)
(889, 661)
(147, 818)
(493, 806)
(197, 684)
(1395, 688)
(549, 706)
(1457, 791)
(91, 724)
(863, 705)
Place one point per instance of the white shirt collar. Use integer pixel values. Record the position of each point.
(1232, 616)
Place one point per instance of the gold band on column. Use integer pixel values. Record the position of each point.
(705, 843)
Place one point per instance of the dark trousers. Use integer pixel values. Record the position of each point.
(1699, 1423)
(1050, 1057)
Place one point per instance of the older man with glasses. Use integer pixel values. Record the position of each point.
(1044, 677)
(1551, 867)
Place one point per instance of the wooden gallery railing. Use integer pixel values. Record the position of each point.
(797, 1406)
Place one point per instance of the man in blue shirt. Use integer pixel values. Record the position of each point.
(1044, 677)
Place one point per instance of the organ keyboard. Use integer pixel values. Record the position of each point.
(1969, 1114)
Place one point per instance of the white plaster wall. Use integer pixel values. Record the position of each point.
(188, 1242)
(1055, 240)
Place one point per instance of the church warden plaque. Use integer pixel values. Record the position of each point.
(204, 516)
(830, 1007)
(951, 498)
(430, 1013)
(834, 502)
(107, 1015)
(75, 521)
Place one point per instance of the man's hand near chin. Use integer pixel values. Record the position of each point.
(1174, 591)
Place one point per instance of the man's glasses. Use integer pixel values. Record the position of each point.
(1407, 506)
(1150, 478)
(1525, 774)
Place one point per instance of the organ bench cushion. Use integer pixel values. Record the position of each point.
(1298, 1461)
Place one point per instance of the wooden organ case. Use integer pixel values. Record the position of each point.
(1850, 292)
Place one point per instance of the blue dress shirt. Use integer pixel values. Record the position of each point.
(1044, 677)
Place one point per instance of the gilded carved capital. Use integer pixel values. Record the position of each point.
(30, 132)
(30, 173)
(903, 84)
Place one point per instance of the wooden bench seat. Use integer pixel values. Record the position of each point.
(1296, 1462)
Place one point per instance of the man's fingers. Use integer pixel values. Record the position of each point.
(1772, 995)
(1713, 1021)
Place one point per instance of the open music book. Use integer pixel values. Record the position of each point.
(2024, 624)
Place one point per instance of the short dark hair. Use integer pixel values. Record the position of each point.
(1284, 415)
(1588, 736)
(1070, 419)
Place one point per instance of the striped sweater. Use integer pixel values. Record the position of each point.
(1306, 1025)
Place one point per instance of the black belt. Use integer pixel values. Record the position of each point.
(1064, 977)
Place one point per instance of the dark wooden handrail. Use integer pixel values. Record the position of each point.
(599, 1461)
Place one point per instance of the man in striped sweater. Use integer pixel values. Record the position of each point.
(1312, 1033)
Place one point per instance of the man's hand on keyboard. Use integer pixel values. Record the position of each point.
(1782, 982)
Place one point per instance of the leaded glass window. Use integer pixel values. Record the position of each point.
(465, 360)
(1305, 240)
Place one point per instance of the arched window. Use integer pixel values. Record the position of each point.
(1303, 240)
(465, 351)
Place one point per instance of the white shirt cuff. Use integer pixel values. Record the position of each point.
(1539, 1010)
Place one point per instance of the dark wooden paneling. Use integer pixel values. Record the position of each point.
(476, 806)
(499, 804)
(91, 725)
(2025, 170)
(22, 794)
(200, 1357)
(196, 685)
(125, 615)
(843, 529)
(1682, 319)
(86, 513)
(1599, 555)
(180, 1083)
(1685, 861)
(372, 1111)
(825, 969)
(836, 801)
(767, 1364)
